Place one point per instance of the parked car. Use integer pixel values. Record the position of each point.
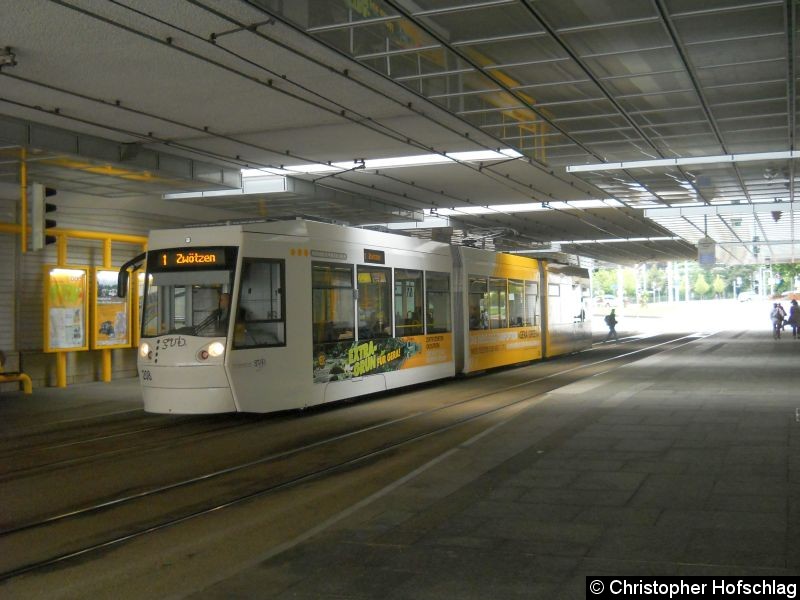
(606, 300)
(747, 296)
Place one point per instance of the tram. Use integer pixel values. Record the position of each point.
(272, 316)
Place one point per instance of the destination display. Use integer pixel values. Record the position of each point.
(375, 257)
(176, 259)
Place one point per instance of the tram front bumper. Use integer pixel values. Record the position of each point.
(186, 390)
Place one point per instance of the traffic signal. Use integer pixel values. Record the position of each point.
(39, 222)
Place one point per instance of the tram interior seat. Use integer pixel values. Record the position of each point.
(331, 331)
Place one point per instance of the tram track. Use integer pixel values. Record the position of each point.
(89, 529)
(83, 450)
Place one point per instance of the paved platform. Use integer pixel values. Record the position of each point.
(80, 401)
(682, 463)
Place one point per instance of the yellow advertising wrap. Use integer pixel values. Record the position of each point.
(66, 300)
(513, 266)
(494, 348)
(434, 349)
(490, 348)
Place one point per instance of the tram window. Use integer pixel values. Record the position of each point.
(332, 302)
(185, 302)
(260, 317)
(531, 303)
(516, 303)
(497, 303)
(374, 302)
(478, 302)
(407, 302)
(437, 317)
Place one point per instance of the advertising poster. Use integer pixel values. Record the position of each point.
(66, 309)
(111, 312)
(346, 360)
(493, 348)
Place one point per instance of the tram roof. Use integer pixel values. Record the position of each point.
(146, 98)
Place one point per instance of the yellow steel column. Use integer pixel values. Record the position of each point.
(105, 352)
(23, 197)
(61, 369)
(61, 357)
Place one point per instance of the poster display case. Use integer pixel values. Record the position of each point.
(66, 304)
(111, 314)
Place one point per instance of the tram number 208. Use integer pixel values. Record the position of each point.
(146, 376)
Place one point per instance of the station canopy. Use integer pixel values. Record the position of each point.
(620, 130)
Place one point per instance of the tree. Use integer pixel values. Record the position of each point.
(629, 282)
(656, 279)
(701, 286)
(719, 286)
(787, 273)
(604, 281)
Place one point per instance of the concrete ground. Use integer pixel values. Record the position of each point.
(681, 463)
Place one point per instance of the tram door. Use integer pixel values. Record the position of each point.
(260, 320)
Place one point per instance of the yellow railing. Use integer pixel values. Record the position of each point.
(62, 235)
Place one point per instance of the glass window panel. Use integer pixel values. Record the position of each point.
(489, 22)
(193, 302)
(437, 317)
(478, 302)
(531, 303)
(516, 303)
(498, 316)
(408, 317)
(260, 318)
(332, 304)
(374, 302)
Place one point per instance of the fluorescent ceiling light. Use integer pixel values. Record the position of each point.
(292, 170)
(529, 207)
(386, 163)
(691, 160)
(684, 210)
(619, 240)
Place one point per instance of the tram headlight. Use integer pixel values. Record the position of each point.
(216, 349)
(144, 350)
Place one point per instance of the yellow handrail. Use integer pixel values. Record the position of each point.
(61, 249)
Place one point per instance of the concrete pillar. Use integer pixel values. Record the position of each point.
(670, 284)
(686, 292)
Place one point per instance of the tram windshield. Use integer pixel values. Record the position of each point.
(188, 291)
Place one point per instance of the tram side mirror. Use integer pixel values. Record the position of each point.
(122, 283)
(123, 276)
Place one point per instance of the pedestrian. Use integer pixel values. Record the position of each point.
(611, 321)
(777, 315)
(794, 318)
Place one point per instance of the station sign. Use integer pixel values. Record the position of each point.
(706, 252)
